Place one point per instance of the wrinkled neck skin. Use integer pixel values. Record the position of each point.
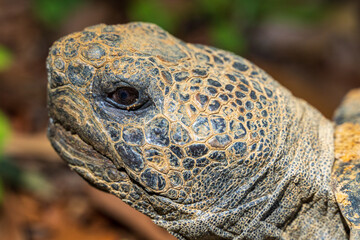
(288, 198)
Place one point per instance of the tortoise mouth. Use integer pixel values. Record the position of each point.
(94, 167)
(81, 156)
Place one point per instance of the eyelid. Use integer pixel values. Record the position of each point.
(114, 80)
(111, 88)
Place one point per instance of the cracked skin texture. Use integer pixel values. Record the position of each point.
(213, 147)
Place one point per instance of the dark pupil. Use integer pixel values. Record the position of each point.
(125, 95)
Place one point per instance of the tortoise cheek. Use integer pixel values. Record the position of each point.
(130, 157)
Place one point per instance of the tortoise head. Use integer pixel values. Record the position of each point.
(181, 132)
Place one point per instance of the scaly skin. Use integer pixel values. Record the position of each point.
(346, 169)
(214, 148)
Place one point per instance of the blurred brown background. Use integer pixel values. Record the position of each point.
(311, 47)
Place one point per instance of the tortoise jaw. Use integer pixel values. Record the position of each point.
(82, 157)
(97, 169)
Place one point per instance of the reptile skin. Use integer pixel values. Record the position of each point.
(213, 147)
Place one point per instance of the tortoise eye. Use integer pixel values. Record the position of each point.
(125, 96)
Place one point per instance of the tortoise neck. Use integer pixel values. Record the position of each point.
(299, 201)
(318, 214)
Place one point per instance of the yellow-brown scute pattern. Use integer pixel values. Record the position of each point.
(198, 109)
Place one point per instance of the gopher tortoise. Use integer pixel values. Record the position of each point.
(201, 140)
